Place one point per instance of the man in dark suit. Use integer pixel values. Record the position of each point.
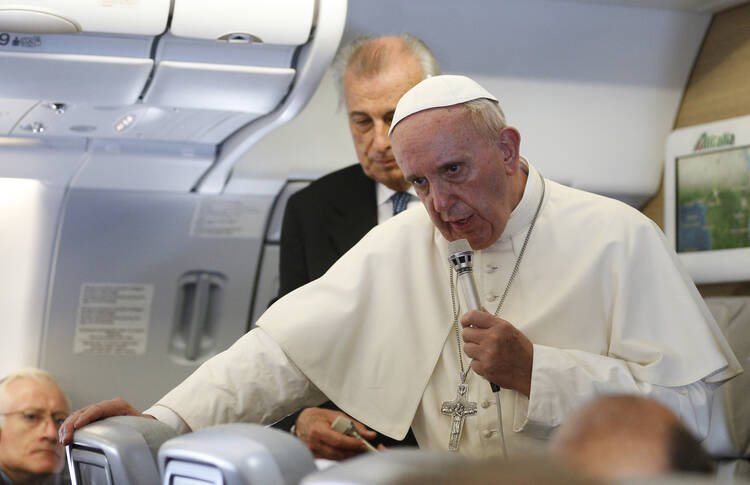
(324, 220)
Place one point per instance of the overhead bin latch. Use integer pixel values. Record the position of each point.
(240, 37)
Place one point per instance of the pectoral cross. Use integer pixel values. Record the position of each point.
(459, 408)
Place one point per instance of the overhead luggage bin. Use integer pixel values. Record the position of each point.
(74, 68)
(219, 68)
(119, 80)
(225, 87)
(195, 67)
(74, 16)
(282, 22)
(192, 73)
(312, 59)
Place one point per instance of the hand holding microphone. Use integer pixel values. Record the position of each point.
(461, 255)
(500, 351)
(345, 426)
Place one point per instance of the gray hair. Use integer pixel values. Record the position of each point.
(486, 117)
(373, 60)
(32, 373)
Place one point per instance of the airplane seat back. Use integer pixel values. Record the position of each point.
(388, 467)
(235, 454)
(729, 432)
(680, 479)
(117, 451)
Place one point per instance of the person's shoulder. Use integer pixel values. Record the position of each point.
(410, 231)
(409, 223)
(338, 178)
(333, 183)
(596, 209)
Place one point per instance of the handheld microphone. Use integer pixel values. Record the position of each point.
(345, 426)
(460, 255)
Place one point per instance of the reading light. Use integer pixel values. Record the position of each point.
(124, 123)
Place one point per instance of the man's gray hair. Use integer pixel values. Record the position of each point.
(486, 117)
(32, 373)
(369, 60)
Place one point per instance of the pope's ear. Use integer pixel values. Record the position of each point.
(509, 143)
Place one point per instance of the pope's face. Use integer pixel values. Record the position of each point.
(370, 103)
(468, 185)
(28, 438)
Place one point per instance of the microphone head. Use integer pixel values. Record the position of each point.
(342, 425)
(460, 255)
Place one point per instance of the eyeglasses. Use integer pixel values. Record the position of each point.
(32, 418)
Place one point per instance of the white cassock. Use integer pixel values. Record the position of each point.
(604, 300)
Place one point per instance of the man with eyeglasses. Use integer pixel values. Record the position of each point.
(32, 409)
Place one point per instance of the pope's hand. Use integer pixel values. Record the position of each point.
(313, 427)
(94, 412)
(502, 354)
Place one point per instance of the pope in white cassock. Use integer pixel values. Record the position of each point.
(582, 296)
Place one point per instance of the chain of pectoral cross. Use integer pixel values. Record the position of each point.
(461, 407)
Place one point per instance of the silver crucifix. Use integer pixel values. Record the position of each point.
(459, 408)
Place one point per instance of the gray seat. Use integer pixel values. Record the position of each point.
(729, 433)
(388, 467)
(235, 454)
(678, 479)
(117, 451)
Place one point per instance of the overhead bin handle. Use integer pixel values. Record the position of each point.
(277, 22)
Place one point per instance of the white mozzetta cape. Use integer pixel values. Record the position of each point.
(604, 300)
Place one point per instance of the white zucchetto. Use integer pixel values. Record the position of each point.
(438, 92)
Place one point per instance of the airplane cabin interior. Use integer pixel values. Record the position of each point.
(148, 149)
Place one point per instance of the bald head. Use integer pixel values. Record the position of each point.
(374, 56)
(368, 56)
(373, 73)
(619, 437)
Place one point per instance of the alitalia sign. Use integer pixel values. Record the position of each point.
(707, 141)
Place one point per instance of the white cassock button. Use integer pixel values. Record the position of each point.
(488, 433)
(491, 297)
(491, 268)
(485, 404)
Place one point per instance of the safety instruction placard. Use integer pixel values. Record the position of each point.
(233, 218)
(113, 319)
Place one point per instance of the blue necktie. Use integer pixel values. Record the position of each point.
(400, 199)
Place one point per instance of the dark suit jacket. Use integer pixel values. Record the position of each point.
(322, 222)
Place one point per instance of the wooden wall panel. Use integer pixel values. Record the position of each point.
(718, 88)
